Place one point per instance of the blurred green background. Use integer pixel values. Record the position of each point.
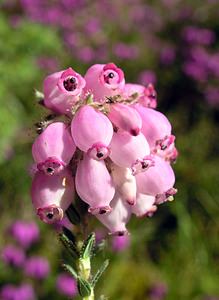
(173, 43)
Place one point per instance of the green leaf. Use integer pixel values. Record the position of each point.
(70, 270)
(73, 215)
(99, 273)
(84, 287)
(88, 246)
(69, 245)
(69, 235)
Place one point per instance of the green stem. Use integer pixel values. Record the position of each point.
(84, 267)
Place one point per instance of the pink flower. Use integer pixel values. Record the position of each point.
(157, 179)
(125, 183)
(120, 243)
(62, 90)
(66, 285)
(52, 195)
(104, 81)
(125, 118)
(155, 126)
(94, 184)
(92, 132)
(117, 219)
(126, 150)
(144, 205)
(53, 148)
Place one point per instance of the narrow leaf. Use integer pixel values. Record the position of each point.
(70, 270)
(88, 246)
(69, 245)
(69, 235)
(99, 273)
(84, 287)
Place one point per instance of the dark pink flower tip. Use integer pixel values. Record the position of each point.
(99, 210)
(112, 75)
(99, 151)
(141, 165)
(119, 233)
(120, 243)
(71, 82)
(50, 214)
(51, 166)
(149, 97)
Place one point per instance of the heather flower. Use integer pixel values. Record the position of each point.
(13, 256)
(53, 148)
(52, 195)
(158, 292)
(37, 267)
(25, 233)
(66, 285)
(144, 205)
(62, 90)
(120, 243)
(104, 81)
(92, 132)
(94, 184)
(11, 292)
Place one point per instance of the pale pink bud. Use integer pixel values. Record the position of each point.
(144, 205)
(62, 90)
(92, 131)
(104, 81)
(117, 219)
(125, 183)
(126, 118)
(155, 126)
(127, 149)
(157, 179)
(53, 148)
(94, 185)
(52, 195)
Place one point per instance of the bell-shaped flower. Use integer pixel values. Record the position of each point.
(157, 179)
(155, 126)
(52, 195)
(53, 148)
(125, 118)
(92, 132)
(94, 184)
(126, 150)
(62, 90)
(104, 81)
(125, 183)
(117, 219)
(144, 205)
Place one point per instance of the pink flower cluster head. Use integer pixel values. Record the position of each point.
(113, 148)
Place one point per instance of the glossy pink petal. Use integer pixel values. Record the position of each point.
(53, 148)
(144, 205)
(126, 118)
(157, 179)
(125, 183)
(94, 185)
(92, 131)
(155, 126)
(104, 81)
(52, 195)
(131, 89)
(62, 90)
(117, 219)
(127, 149)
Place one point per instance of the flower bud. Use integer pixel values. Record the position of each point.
(155, 126)
(125, 183)
(53, 148)
(52, 195)
(127, 149)
(144, 205)
(104, 81)
(92, 131)
(62, 90)
(94, 185)
(125, 118)
(117, 219)
(157, 179)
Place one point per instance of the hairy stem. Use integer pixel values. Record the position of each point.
(84, 267)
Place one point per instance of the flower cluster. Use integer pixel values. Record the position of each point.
(114, 149)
